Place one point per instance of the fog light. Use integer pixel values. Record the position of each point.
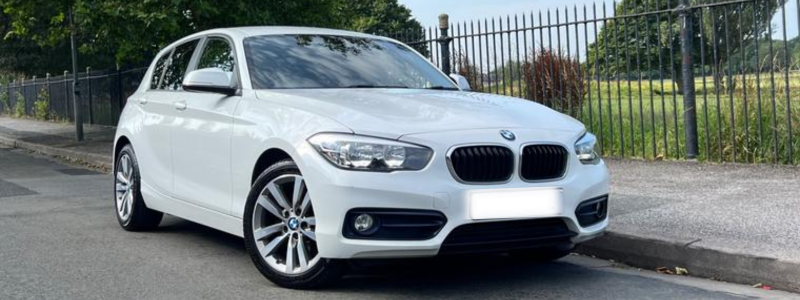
(363, 222)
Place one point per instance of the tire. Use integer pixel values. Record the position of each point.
(543, 255)
(269, 231)
(132, 213)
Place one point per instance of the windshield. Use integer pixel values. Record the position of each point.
(324, 61)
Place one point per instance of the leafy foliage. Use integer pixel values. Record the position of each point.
(131, 32)
(5, 102)
(41, 107)
(19, 107)
(652, 42)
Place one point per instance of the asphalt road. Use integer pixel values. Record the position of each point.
(59, 239)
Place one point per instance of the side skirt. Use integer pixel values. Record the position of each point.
(169, 205)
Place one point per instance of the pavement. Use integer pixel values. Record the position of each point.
(61, 240)
(729, 222)
(58, 139)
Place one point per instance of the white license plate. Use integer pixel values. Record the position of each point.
(515, 203)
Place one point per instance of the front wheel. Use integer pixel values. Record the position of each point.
(280, 230)
(132, 213)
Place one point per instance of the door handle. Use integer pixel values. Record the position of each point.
(142, 101)
(179, 105)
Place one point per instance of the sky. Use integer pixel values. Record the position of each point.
(427, 12)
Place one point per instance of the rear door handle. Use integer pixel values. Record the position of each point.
(142, 101)
(179, 105)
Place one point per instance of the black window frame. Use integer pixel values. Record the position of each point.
(189, 68)
(237, 68)
(167, 56)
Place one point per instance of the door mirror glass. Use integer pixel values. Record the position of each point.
(461, 81)
(209, 80)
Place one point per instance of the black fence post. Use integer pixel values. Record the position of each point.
(66, 95)
(24, 98)
(35, 96)
(119, 91)
(3, 108)
(444, 25)
(89, 93)
(49, 96)
(12, 108)
(689, 111)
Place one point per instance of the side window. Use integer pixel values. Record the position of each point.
(217, 53)
(173, 77)
(158, 70)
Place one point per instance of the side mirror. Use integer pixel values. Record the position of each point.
(209, 80)
(461, 81)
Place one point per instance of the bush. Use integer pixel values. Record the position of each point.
(555, 81)
(464, 67)
(41, 107)
(19, 107)
(5, 102)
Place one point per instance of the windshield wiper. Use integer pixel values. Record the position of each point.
(439, 87)
(372, 86)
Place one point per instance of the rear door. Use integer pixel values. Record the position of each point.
(153, 146)
(202, 137)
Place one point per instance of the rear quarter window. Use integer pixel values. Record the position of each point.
(159, 70)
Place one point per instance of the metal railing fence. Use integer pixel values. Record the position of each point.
(656, 79)
(104, 93)
(712, 80)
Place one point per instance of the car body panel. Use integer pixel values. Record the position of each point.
(201, 148)
(392, 113)
(212, 148)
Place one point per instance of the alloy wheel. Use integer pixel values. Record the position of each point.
(123, 181)
(284, 226)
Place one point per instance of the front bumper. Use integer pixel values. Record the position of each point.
(335, 192)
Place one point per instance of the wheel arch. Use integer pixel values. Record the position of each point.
(119, 144)
(266, 159)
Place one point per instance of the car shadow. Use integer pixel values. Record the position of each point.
(421, 277)
(197, 233)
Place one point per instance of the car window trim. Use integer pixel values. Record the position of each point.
(236, 68)
(168, 57)
(188, 67)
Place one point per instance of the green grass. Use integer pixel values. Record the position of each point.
(650, 125)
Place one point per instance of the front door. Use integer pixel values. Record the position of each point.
(154, 152)
(201, 148)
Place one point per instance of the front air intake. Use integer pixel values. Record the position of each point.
(543, 162)
(482, 164)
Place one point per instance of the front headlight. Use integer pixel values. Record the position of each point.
(584, 148)
(355, 152)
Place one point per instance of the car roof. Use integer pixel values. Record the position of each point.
(240, 33)
(244, 32)
(275, 30)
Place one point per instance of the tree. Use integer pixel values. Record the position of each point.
(734, 28)
(385, 17)
(655, 39)
(131, 32)
(18, 55)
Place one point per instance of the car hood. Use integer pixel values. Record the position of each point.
(392, 113)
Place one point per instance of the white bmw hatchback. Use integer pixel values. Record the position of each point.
(320, 146)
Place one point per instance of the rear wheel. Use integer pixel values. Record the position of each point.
(280, 231)
(132, 213)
